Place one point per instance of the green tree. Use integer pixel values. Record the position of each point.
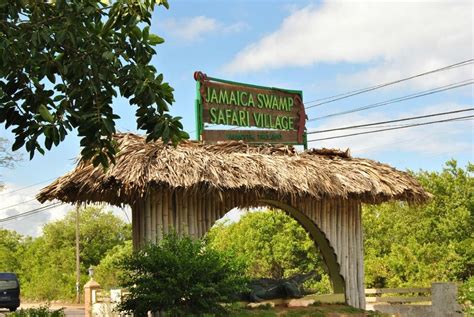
(48, 271)
(416, 245)
(270, 244)
(108, 272)
(48, 263)
(11, 249)
(62, 63)
(99, 231)
(181, 277)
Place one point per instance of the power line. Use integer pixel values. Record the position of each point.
(388, 129)
(400, 99)
(31, 212)
(363, 90)
(19, 189)
(23, 202)
(391, 121)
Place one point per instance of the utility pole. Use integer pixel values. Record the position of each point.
(78, 267)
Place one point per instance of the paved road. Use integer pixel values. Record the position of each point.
(70, 310)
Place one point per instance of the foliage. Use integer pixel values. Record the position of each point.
(99, 231)
(270, 244)
(466, 296)
(11, 247)
(42, 311)
(62, 63)
(47, 272)
(182, 277)
(108, 271)
(416, 245)
(46, 265)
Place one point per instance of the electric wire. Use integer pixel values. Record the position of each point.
(31, 212)
(399, 99)
(367, 89)
(389, 129)
(29, 186)
(21, 203)
(391, 121)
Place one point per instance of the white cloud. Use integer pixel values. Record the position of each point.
(452, 137)
(15, 200)
(398, 38)
(195, 28)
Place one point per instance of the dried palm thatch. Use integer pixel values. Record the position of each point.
(232, 166)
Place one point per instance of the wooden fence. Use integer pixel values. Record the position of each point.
(440, 300)
(408, 295)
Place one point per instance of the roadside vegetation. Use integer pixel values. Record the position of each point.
(42, 311)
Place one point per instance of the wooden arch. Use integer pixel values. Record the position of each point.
(333, 223)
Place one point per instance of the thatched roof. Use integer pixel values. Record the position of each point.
(229, 166)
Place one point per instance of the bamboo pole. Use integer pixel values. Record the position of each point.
(152, 207)
(339, 224)
(142, 222)
(147, 218)
(159, 213)
(323, 215)
(355, 242)
(317, 219)
(171, 211)
(165, 195)
(360, 258)
(198, 216)
(345, 264)
(135, 227)
(212, 213)
(184, 221)
(191, 215)
(179, 212)
(207, 214)
(333, 219)
(313, 209)
(350, 257)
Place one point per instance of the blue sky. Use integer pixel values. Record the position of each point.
(322, 48)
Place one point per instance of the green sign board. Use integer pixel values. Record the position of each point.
(278, 115)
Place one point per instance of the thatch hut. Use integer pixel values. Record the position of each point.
(190, 186)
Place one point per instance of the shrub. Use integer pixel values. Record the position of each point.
(42, 311)
(466, 296)
(181, 277)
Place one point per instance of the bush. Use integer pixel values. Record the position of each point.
(42, 311)
(466, 296)
(108, 271)
(181, 277)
